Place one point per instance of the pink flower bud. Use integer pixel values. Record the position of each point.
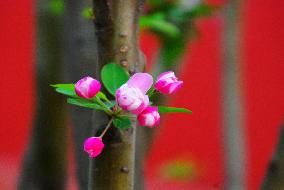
(167, 83)
(149, 117)
(87, 87)
(131, 99)
(93, 146)
(132, 95)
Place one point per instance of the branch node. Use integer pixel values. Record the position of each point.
(124, 49)
(124, 169)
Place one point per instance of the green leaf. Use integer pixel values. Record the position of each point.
(158, 24)
(56, 7)
(102, 96)
(84, 103)
(87, 12)
(66, 89)
(67, 92)
(113, 76)
(64, 86)
(165, 109)
(201, 11)
(122, 123)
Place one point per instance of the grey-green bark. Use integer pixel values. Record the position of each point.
(80, 58)
(274, 178)
(44, 163)
(234, 139)
(116, 27)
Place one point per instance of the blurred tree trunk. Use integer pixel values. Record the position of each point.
(80, 61)
(44, 163)
(116, 24)
(274, 179)
(234, 139)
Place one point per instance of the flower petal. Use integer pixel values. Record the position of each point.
(165, 75)
(143, 81)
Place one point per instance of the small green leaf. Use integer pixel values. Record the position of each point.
(102, 96)
(87, 12)
(113, 76)
(157, 23)
(56, 7)
(84, 103)
(66, 89)
(122, 123)
(64, 86)
(165, 109)
(67, 92)
(201, 11)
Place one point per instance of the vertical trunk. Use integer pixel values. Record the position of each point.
(275, 172)
(233, 132)
(117, 34)
(80, 59)
(44, 162)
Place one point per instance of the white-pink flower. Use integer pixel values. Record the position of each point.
(132, 95)
(167, 83)
(149, 117)
(87, 87)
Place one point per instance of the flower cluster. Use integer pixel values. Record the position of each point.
(131, 97)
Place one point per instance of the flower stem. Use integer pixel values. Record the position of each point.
(151, 91)
(107, 110)
(107, 127)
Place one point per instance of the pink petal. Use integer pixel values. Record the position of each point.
(175, 87)
(149, 117)
(143, 81)
(165, 75)
(94, 88)
(93, 146)
(160, 84)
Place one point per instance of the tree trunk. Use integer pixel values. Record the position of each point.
(116, 24)
(234, 139)
(80, 59)
(275, 172)
(45, 161)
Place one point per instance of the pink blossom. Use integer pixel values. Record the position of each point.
(149, 117)
(132, 95)
(167, 83)
(87, 87)
(93, 146)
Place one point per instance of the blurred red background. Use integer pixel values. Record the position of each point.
(198, 143)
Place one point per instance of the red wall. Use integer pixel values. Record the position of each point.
(16, 47)
(263, 77)
(198, 142)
